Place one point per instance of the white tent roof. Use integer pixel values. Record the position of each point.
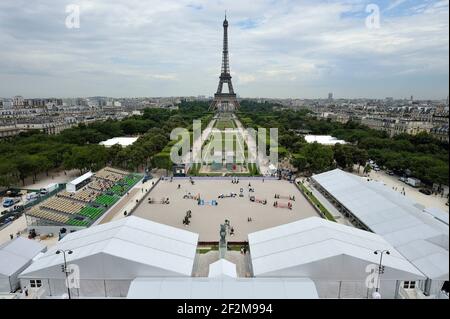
(323, 139)
(438, 214)
(123, 141)
(420, 237)
(291, 248)
(130, 240)
(17, 253)
(81, 178)
(222, 288)
(222, 267)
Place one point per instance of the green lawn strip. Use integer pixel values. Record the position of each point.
(316, 202)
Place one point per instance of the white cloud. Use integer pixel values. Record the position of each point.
(173, 47)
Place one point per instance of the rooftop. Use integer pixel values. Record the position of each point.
(420, 237)
(278, 250)
(323, 139)
(122, 141)
(131, 239)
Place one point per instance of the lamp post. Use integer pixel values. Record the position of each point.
(376, 294)
(59, 251)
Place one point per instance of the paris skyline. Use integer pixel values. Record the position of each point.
(298, 49)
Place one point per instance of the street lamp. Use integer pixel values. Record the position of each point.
(376, 294)
(59, 251)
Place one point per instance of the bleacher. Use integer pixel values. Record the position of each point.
(100, 185)
(85, 206)
(107, 200)
(108, 175)
(76, 222)
(85, 195)
(130, 180)
(91, 212)
(49, 215)
(63, 205)
(117, 171)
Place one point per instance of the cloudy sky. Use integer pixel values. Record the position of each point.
(278, 48)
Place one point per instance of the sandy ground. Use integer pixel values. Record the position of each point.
(54, 177)
(411, 192)
(206, 219)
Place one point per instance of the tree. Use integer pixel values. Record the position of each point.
(342, 156)
(300, 162)
(8, 174)
(367, 169)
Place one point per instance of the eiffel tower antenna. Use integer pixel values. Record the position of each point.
(225, 102)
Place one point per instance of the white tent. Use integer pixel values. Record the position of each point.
(72, 186)
(334, 256)
(15, 256)
(122, 141)
(420, 237)
(222, 288)
(438, 214)
(111, 255)
(222, 267)
(323, 139)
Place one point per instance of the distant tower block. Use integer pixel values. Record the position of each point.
(225, 102)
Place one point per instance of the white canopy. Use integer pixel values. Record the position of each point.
(71, 186)
(419, 237)
(323, 139)
(122, 141)
(15, 256)
(438, 214)
(122, 249)
(222, 267)
(323, 250)
(17, 253)
(222, 288)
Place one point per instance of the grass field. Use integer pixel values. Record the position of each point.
(223, 124)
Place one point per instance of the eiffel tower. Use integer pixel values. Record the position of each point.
(225, 102)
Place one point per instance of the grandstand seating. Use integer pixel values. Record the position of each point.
(77, 209)
(91, 212)
(85, 195)
(117, 171)
(130, 180)
(63, 205)
(108, 175)
(100, 185)
(76, 222)
(106, 200)
(52, 216)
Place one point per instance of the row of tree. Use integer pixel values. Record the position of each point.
(420, 155)
(33, 153)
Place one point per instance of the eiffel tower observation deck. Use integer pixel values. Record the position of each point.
(225, 102)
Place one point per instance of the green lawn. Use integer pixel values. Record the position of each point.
(316, 202)
(223, 124)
